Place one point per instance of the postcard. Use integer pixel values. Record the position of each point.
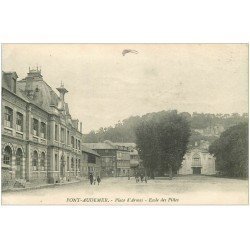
(124, 124)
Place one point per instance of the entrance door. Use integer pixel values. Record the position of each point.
(62, 167)
(196, 170)
(19, 163)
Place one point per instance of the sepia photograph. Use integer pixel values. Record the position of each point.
(124, 124)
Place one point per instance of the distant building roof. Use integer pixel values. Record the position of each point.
(126, 144)
(99, 145)
(134, 152)
(89, 150)
(107, 145)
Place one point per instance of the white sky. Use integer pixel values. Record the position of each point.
(105, 86)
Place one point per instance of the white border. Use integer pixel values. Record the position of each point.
(189, 227)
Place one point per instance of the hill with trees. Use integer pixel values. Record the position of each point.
(203, 126)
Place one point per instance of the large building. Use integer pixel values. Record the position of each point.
(41, 142)
(115, 159)
(198, 161)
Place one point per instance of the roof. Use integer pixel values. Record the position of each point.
(126, 144)
(197, 149)
(134, 152)
(99, 145)
(89, 150)
(33, 89)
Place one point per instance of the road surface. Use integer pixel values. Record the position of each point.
(121, 191)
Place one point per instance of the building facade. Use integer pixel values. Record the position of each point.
(41, 143)
(134, 156)
(198, 161)
(91, 162)
(115, 159)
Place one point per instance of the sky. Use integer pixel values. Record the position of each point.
(105, 86)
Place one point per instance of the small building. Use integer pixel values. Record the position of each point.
(91, 162)
(134, 156)
(115, 159)
(198, 161)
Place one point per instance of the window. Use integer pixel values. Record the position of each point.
(8, 117)
(19, 157)
(76, 144)
(72, 163)
(67, 163)
(92, 159)
(62, 135)
(7, 155)
(35, 127)
(56, 162)
(79, 145)
(79, 164)
(19, 121)
(76, 165)
(35, 161)
(56, 132)
(43, 130)
(67, 137)
(42, 162)
(72, 141)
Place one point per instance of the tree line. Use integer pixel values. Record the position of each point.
(125, 131)
(231, 151)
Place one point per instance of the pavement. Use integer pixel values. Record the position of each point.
(39, 186)
(183, 190)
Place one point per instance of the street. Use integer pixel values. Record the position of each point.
(120, 191)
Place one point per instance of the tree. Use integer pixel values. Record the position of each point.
(231, 151)
(162, 141)
(173, 135)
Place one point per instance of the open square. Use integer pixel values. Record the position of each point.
(119, 191)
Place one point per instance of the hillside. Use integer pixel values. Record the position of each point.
(204, 126)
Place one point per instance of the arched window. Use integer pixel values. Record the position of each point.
(196, 160)
(56, 162)
(8, 117)
(19, 157)
(19, 121)
(42, 162)
(72, 163)
(7, 155)
(35, 161)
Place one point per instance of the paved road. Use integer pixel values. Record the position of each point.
(120, 191)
